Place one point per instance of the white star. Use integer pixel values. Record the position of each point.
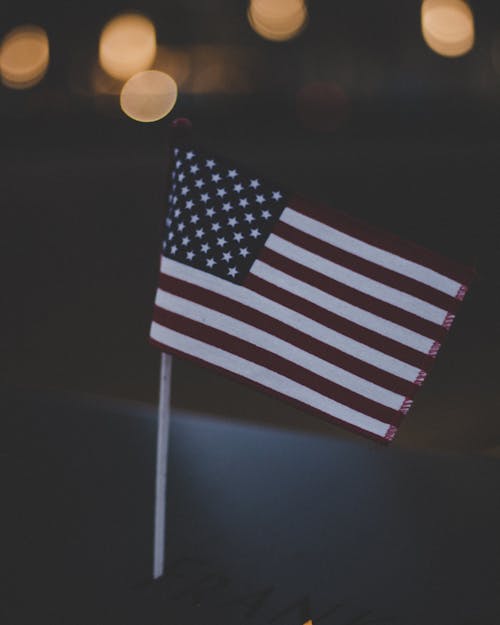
(205, 197)
(190, 255)
(200, 233)
(181, 177)
(215, 177)
(244, 252)
(215, 227)
(186, 240)
(184, 190)
(174, 200)
(221, 192)
(232, 272)
(221, 241)
(181, 226)
(249, 217)
(178, 164)
(199, 183)
(238, 188)
(254, 183)
(205, 247)
(232, 173)
(260, 199)
(210, 212)
(266, 214)
(237, 236)
(226, 207)
(177, 212)
(194, 168)
(170, 236)
(232, 221)
(189, 204)
(168, 222)
(210, 262)
(255, 233)
(194, 219)
(243, 202)
(173, 249)
(227, 256)
(276, 195)
(176, 151)
(189, 155)
(210, 163)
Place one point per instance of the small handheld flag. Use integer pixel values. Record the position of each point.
(299, 300)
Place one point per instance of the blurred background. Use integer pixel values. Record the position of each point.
(388, 111)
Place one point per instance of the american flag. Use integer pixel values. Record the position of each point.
(298, 300)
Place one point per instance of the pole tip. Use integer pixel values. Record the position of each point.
(181, 130)
(181, 122)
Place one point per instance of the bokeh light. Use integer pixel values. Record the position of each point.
(277, 20)
(148, 96)
(24, 57)
(322, 106)
(448, 26)
(127, 45)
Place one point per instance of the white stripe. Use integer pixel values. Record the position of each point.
(275, 345)
(266, 377)
(385, 293)
(290, 317)
(348, 311)
(370, 252)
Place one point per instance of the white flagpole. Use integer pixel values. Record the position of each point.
(180, 131)
(161, 465)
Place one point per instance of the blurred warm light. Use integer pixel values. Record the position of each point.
(448, 26)
(277, 20)
(127, 45)
(322, 106)
(24, 57)
(148, 96)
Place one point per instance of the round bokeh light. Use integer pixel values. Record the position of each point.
(448, 26)
(127, 45)
(277, 20)
(24, 57)
(148, 96)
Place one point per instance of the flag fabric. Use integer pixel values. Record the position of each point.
(296, 299)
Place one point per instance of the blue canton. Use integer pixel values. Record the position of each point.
(219, 217)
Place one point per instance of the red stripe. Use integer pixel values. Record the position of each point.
(366, 268)
(353, 296)
(252, 353)
(274, 393)
(287, 333)
(339, 324)
(390, 243)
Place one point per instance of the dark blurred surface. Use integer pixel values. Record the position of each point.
(263, 525)
(83, 190)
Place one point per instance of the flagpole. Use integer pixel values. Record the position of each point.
(161, 465)
(180, 132)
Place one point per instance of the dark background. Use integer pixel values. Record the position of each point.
(415, 149)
